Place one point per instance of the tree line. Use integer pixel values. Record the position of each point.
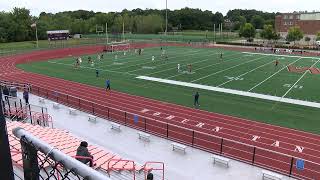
(15, 25)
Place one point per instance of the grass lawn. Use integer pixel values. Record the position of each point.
(237, 70)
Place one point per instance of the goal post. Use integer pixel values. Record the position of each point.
(118, 47)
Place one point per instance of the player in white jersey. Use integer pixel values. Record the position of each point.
(178, 67)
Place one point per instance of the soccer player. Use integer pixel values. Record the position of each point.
(196, 99)
(221, 56)
(190, 68)
(116, 57)
(89, 60)
(97, 72)
(276, 63)
(99, 57)
(108, 85)
(152, 58)
(178, 67)
(139, 52)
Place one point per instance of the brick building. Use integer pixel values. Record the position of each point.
(309, 23)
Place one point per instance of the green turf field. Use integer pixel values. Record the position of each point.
(237, 71)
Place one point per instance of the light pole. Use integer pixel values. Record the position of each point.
(166, 17)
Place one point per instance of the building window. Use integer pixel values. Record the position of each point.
(285, 16)
(291, 17)
(297, 16)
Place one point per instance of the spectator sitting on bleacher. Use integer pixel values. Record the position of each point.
(83, 151)
(150, 176)
(6, 92)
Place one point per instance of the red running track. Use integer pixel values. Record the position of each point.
(190, 126)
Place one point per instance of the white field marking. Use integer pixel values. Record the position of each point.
(174, 62)
(150, 62)
(193, 64)
(299, 79)
(123, 73)
(245, 73)
(226, 69)
(231, 91)
(279, 55)
(272, 75)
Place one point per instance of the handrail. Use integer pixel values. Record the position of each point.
(133, 169)
(58, 156)
(154, 162)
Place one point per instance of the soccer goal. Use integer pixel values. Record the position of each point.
(118, 47)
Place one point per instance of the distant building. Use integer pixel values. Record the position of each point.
(309, 23)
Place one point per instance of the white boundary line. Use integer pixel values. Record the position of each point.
(226, 69)
(231, 91)
(272, 75)
(280, 55)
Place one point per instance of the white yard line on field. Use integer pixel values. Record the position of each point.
(299, 79)
(225, 69)
(245, 73)
(285, 67)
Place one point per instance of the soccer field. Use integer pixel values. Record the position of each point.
(242, 84)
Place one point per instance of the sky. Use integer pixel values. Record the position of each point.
(53, 6)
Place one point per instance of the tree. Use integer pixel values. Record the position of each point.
(247, 31)
(318, 36)
(294, 34)
(258, 22)
(268, 33)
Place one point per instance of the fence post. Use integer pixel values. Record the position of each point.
(167, 130)
(20, 105)
(221, 145)
(30, 113)
(192, 137)
(67, 99)
(291, 166)
(145, 124)
(15, 105)
(6, 161)
(30, 160)
(254, 155)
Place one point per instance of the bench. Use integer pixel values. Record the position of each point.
(41, 100)
(56, 105)
(271, 175)
(115, 126)
(178, 146)
(144, 136)
(92, 118)
(72, 111)
(221, 160)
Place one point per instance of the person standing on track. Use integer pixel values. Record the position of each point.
(196, 99)
(108, 85)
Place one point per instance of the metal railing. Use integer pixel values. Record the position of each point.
(268, 159)
(42, 161)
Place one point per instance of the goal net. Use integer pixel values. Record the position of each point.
(118, 47)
